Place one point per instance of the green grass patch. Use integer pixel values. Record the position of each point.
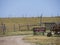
(17, 33)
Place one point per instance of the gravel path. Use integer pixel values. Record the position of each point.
(13, 40)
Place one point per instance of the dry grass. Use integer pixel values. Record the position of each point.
(9, 22)
(17, 33)
(43, 40)
(32, 20)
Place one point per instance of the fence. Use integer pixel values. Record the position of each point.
(15, 27)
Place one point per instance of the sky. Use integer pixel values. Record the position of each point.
(29, 8)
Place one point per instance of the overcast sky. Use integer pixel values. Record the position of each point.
(29, 8)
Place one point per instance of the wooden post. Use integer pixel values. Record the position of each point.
(3, 28)
(41, 20)
(28, 27)
(14, 28)
(19, 27)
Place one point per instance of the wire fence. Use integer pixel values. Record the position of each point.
(15, 27)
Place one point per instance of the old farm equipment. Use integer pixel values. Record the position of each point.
(55, 29)
(38, 30)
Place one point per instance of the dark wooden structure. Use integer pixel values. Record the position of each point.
(53, 27)
(49, 25)
(56, 28)
(39, 30)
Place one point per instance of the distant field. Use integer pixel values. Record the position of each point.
(11, 22)
(32, 20)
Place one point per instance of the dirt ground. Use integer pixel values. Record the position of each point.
(13, 40)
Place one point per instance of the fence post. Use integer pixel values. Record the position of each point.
(3, 28)
(28, 27)
(19, 27)
(14, 27)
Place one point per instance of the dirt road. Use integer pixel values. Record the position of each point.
(13, 40)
